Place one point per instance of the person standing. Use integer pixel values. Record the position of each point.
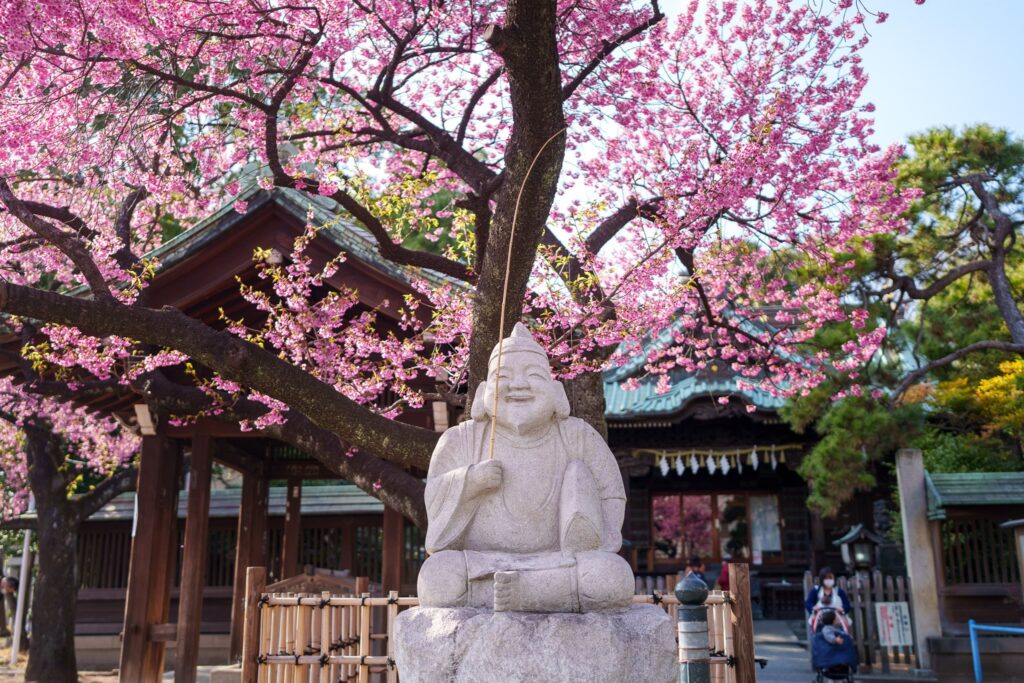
(826, 596)
(695, 567)
(8, 603)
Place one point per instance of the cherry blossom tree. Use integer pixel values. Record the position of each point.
(72, 463)
(612, 174)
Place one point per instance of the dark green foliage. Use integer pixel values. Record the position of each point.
(944, 415)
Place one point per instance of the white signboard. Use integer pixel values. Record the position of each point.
(893, 619)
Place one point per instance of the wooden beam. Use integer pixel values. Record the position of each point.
(743, 621)
(163, 633)
(292, 530)
(393, 542)
(249, 550)
(237, 458)
(193, 570)
(299, 469)
(209, 426)
(151, 567)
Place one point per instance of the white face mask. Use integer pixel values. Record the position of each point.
(829, 583)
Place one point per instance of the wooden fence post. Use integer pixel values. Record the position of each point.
(743, 621)
(255, 582)
(392, 675)
(364, 639)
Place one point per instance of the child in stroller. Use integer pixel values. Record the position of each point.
(833, 655)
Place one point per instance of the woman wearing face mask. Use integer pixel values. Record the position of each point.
(827, 596)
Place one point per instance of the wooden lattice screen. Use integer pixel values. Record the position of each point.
(976, 551)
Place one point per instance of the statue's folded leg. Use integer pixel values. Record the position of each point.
(444, 582)
(605, 580)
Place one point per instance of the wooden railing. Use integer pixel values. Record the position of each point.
(311, 638)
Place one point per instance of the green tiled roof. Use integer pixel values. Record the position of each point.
(646, 402)
(345, 232)
(972, 489)
(333, 499)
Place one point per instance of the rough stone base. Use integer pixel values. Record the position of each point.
(435, 645)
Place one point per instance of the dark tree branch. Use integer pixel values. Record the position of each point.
(235, 359)
(608, 47)
(610, 226)
(391, 484)
(62, 214)
(66, 243)
(123, 225)
(472, 170)
(474, 99)
(987, 345)
(87, 504)
(198, 87)
(906, 284)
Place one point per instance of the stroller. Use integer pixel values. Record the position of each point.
(833, 661)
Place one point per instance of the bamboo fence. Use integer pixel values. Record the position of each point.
(306, 638)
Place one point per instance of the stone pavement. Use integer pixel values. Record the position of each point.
(788, 659)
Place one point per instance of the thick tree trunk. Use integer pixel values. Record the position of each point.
(51, 657)
(533, 164)
(52, 652)
(586, 399)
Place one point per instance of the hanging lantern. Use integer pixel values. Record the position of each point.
(753, 458)
(694, 465)
(724, 464)
(663, 466)
(680, 466)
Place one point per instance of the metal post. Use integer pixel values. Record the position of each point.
(23, 588)
(694, 650)
(972, 629)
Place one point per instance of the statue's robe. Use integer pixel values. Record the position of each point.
(520, 526)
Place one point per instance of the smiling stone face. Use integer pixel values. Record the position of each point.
(526, 392)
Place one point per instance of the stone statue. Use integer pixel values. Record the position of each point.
(536, 528)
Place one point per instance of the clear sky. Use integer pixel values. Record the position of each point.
(947, 62)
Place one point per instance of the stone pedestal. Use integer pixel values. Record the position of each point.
(463, 645)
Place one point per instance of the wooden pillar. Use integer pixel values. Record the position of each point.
(292, 530)
(193, 569)
(393, 542)
(151, 567)
(250, 549)
(743, 621)
(255, 583)
(1018, 534)
(817, 541)
(920, 555)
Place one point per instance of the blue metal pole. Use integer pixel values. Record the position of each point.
(975, 651)
(694, 649)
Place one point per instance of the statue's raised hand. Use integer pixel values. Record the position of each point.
(484, 476)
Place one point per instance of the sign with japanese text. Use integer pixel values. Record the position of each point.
(893, 620)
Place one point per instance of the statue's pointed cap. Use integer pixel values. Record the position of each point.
(519, 340)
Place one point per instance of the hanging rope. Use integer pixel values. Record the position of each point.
(504, 290)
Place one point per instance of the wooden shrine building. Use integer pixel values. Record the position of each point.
(711, 470)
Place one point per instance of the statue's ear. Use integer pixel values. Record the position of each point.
(562, 409)
(479, 411)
